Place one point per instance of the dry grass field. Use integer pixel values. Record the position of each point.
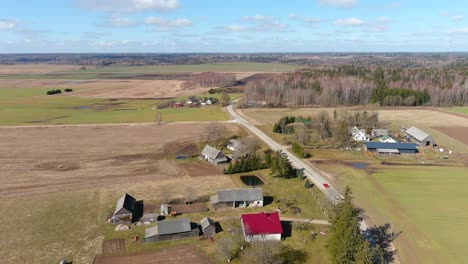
(58, 184)
(35, 68)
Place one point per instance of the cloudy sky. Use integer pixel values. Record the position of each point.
(233, 26)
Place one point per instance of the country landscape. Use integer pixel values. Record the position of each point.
(169, 131)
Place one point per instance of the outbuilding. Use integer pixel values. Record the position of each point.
(208, 227)
(171, 230)
(233, 198)
(261, 227)
(212, 155)
(391, 148)
(124, 210)
(420, 137)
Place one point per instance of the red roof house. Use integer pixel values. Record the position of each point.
(261, 226)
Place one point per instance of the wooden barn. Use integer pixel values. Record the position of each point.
(208, 227)
(124, 210)
(171, 230)
(420, 137)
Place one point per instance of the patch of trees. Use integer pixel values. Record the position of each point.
(225, 90)
(52, 92)
(357, 85)
(68, 90)
(209, 79)
(347, 244)
(282, 125)
(249, 163)
(399, 96)
(300, 151)
(280, 165)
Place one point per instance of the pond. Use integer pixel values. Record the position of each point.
(251, 180)
(359, 165)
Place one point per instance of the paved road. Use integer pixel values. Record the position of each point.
(331, 193)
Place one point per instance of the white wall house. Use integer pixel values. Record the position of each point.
(261, 227)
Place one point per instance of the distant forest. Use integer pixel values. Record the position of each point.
(413, 60)
(359, 85)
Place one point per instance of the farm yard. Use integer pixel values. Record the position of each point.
(420, 195)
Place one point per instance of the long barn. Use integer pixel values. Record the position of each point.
(391, 148)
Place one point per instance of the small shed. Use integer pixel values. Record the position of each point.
(208, 226)
(165, 209)
(124, 210)
(213, 155)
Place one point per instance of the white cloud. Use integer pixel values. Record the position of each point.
(119, 22)
(457, 17)
(7, 24)
(292, 16)
(257, 18)
(348, 22)
(312, 20)
(384, 19)
(463, 30)
(339, 3)
(163, 24)
(123, 6)
(257, 23)
(236, 28)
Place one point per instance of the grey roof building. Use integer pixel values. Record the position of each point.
(378, 132)
(124, 210)
(170, 230)
(421, 137)
(246, 197)
(213, 155)
(208, 226)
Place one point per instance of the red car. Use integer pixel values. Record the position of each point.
(326, 185)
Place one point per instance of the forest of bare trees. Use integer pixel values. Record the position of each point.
(209, 79)
(353, 85)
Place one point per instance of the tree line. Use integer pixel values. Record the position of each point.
(209, 79)
(357, 85)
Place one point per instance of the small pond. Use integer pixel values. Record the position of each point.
(251, 180)
(359, 165)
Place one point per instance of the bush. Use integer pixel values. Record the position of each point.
(68, 90)
(300, 151)
(52, 92)
(307, 184)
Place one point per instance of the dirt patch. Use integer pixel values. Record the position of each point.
(190, 208)
(199, 168)
(189, 150)
(458, 133)
(183, 254)
(113, 246)
(58, 166)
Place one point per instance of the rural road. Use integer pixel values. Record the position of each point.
(331, 193)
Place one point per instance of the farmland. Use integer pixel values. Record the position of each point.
(52, 175)
(422, 195)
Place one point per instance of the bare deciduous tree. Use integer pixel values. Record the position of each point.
(215, 134)
(264, 252)
(227, 247)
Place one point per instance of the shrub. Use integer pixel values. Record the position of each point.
(68, 90)
(52, 92)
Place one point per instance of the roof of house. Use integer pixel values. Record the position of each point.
(354, 130)
(378, 132)
(234, 143)
(391, 151)
(231, 195)
(382, 145)
(127, 202)
(168, 227)
(206, 222)
(385, 137)
(262, 223)
(212, 153)
(418, 134)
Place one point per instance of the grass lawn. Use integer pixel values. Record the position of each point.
(461, 110)
(33, 107)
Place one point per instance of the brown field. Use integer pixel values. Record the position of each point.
(458, 133)
(197, 169)
(174, 255)
(35, 68)
(113, 246)
(58, 183)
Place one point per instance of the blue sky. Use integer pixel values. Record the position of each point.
(233, 26)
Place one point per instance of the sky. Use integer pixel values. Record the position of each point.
(81, 26)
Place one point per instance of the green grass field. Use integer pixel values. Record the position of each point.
(425, 203)
(460, 110)
(33, 107)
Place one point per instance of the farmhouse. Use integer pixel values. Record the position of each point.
(208, 226)
(378, 132)
(124, 210)
(419, 136)
(391, 148)
(213, 155)
(261, 227)
(387, 139)
(359, 134)
(233, 198)
(171, 230)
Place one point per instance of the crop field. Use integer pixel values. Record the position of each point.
(61, 183)
(461, 110)
(32, 107)
(423, 195)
